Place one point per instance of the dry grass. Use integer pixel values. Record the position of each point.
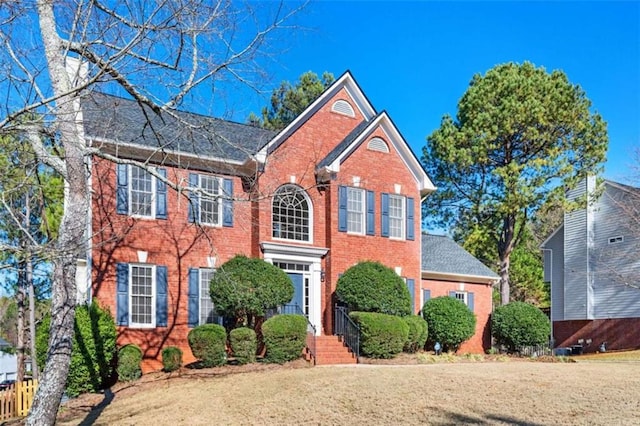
(610, 356)
(532, 393)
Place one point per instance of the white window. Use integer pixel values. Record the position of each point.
(141, 192)
(142, 295)
(396, 216)
(210, 202)
(207, 313)
(355, 210)
(291, 219)
(462, 296)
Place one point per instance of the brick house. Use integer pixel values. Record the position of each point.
(449, 270)
(591, 261)
(338, 185)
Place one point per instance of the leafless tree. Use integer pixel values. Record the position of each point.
(159, 54)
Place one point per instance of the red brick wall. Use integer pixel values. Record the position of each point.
(173, 242)
(621, 333)
(180, 245)
(299, 156)
(483, 306)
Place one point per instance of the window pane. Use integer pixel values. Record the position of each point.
(291, 218)
(142, 295)
(396, 216)
(210, 205)
(355, 210)
(141, 192)
(207, 314)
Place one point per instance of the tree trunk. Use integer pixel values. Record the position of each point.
(505, 285)
(32, 317)
(71, 240)
(20, 320)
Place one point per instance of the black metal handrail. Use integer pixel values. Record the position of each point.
(311, 329)
(347, 330)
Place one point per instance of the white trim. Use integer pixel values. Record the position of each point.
(310, 205)
(218, 198)
(164, 151)
(290, 250)
(472, 279)
(153, 296)
(154, 194)
(362, 212)
(304, 255)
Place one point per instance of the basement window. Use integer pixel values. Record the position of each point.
(618, 239)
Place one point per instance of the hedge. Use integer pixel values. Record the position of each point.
(373, 287)
(171, 358)
(518, 324)
(381, 335)
(418, 332)
(93, 349)
(243, 345)
(129, 360)
(450, 322)
(284, 337)
(208, 344)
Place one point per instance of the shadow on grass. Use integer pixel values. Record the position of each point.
(95, 413)
(485, 419)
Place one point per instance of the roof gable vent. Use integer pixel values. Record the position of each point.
(343, 107)
(377, 144)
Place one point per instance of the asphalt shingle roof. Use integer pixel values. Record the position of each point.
(443, 255)
(123, 120)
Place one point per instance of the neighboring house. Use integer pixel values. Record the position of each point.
(593, 264)
(449, 270)
(337, 186)
(8, 362)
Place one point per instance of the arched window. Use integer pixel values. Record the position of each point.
(291, 214)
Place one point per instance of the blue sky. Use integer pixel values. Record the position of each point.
(415, 59)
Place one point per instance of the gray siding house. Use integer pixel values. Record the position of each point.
(593, 264)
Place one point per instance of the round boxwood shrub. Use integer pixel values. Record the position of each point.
(93, 349)
(381, 335)
(418, 332)
(518, 324)
(208, 344)
(246, 287)
(171, 358)
(450, 322)
(284, 337)
(129, 360)
(243, 345)
(373, 287)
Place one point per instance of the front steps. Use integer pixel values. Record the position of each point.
(330, 351)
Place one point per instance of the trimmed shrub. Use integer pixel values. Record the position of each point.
(381, 335)
(243, 345)
(518, 324)
(373, 287)
(129, 360)
(284, 337)
(418, 332)
(93, 349)
(208, 344)
(449, 322)
(246, 286)
(171, 358)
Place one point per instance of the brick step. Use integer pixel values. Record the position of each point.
(330, 351)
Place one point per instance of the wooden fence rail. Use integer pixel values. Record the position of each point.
(16, 400)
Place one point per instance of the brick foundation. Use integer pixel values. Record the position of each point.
(621, 333)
